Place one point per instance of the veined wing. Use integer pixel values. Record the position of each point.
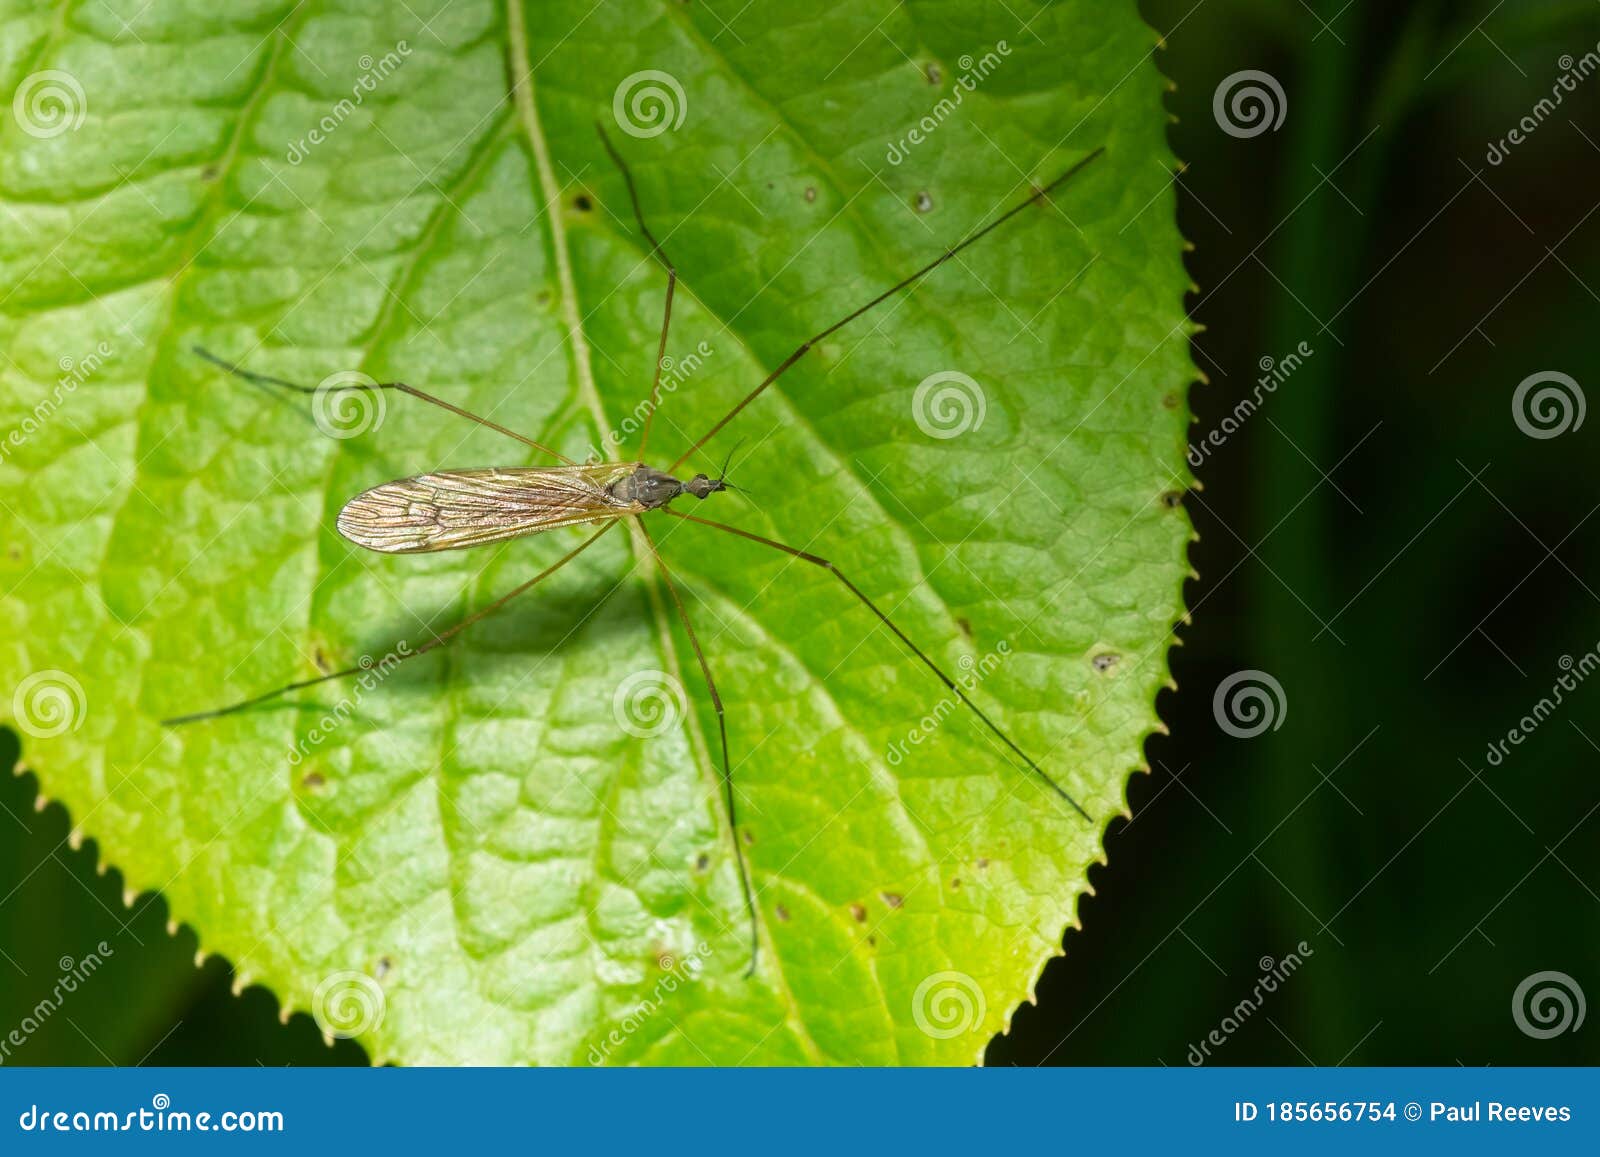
(457, 508)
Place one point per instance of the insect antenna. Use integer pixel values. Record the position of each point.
(800, 351)
(433, 643)
(817, 560)
(660, 255)
(727, 767)
(727, 463)
(251, 376)
(727, 466)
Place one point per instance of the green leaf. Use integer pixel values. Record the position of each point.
(475, 858)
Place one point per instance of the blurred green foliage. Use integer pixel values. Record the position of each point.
(1382, 539)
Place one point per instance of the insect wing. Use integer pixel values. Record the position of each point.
(459, 508)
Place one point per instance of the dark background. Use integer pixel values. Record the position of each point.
(1380, 538)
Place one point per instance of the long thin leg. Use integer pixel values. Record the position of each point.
(727, 767)
(239, 371)
(432, 644)
(817, 560)
(672, 284)
(800, 352)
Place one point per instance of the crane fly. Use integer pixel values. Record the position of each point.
(453, 509)
(456, 508)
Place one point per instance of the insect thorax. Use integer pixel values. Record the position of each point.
(648, 487)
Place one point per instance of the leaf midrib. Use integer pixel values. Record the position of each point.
(522, 93)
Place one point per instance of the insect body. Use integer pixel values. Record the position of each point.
(457, 508)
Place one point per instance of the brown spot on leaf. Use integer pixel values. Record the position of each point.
(702, 862)
(1106, 660)
(966, 626)
(923, 202)
(893, 899)
(1172, 499)
(955, 882)
(934, 73)
(982, 863)
(582, 203)
(382, 968)
(1170, 401)
(749, 840)
(811, 193)
(781, 912)
(859, 912)
(313, 781)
